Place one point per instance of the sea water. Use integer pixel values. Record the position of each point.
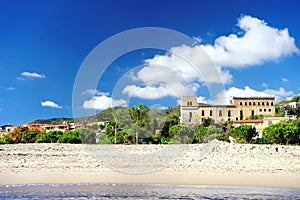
(142, 191)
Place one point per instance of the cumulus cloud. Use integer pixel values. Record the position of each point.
(32, 75)
(185, 68)
(202, 99)
(51, 104)
(259, 43)
(103, 102)
(284, 80)
(224, 96)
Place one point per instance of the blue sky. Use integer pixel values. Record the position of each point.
(254, 46)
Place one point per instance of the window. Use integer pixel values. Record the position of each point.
(260, 110)
(258, 103)
(190, 114)
(265, 110)
(271, 103)
(245, 103)
(220, 113)
(241, 114)
(267, 103)
(263, 103)
(249, 103)
(202, 112)
(229, 113)
(254, 103)
(270, 110)
(241, 103)
(210, 113)
(252, 112)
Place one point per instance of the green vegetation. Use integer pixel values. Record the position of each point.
(286, 132)
(25, 135)
(140, 116)
(243, 134)
(142, 125)
(255, 117)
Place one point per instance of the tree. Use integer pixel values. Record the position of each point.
(120, 119)
(295, 99)
(243, 133)
(171, 120)
(279, 112)
(86, 135)
(285, 132)
(182, 134)
(29, 137)
(206, 122)
(49, 137)
(15, 136)
(206, 134)
(140, 116)
(70, 137)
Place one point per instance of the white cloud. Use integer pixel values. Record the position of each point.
(258, 44)
(284, 80)
(32, 75)
(184, 68)
(149, 92)
(102, 103)
(50, 104)
(224, 96)
(202, 99)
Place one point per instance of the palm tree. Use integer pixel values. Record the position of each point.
(140, 116)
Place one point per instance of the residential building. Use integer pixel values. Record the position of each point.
(239, 108)
(260, 124)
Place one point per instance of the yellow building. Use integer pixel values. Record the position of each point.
(240, 108)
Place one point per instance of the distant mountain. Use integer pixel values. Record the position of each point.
(52, 121)
(105, 115)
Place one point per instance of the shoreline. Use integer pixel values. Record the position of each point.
(170, 178)
(213, 164)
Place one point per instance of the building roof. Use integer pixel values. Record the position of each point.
(249, 121)
(218, 106)
(256, 98)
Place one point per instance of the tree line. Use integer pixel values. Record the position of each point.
(138, 125)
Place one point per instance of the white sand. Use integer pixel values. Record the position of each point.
(216, 163)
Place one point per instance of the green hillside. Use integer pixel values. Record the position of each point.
(105, 115)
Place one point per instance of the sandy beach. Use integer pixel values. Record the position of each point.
(214, 163)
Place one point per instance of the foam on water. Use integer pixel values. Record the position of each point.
(142, 191)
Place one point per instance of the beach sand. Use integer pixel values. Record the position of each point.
(214, 163)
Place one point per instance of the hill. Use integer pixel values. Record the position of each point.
(105, 115)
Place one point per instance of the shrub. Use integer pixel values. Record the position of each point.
(49, 137)
(70, 137)
(29, 137)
